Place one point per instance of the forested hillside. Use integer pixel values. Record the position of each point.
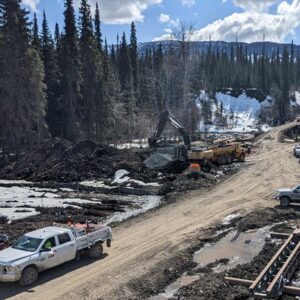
(69, 83)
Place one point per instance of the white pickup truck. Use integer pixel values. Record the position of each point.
(46, 248)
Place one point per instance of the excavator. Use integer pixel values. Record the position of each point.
(164, 118)
(180, 156)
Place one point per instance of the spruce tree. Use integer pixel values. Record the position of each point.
(51, 79)
(98, 34)
(22, 109)
(36, 41)
(89, 68)
(71, 77)
(133, 50)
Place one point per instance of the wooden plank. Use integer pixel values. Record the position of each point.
(279, 235)
(283, 268)
(291, 290)
(270, 264)
(239, 281)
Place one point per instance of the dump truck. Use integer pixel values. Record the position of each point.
(48, 247)
(218, 154)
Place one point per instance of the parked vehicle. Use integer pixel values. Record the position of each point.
(48, 247)
(288, 196)
(297, 151)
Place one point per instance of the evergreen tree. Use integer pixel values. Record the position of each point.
(133, 49)
(51, 79)
(36, 41)
(71, 79)
(22, 109)
(98, 33)
(89, 68)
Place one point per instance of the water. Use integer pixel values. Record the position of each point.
(170, 291)
(239, 249)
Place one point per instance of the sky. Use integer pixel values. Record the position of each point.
(222, 20)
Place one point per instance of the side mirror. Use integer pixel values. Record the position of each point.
(45, 250)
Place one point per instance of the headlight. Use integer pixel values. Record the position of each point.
(9, 269)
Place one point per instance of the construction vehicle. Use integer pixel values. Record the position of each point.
(221, 152)
(164, 118)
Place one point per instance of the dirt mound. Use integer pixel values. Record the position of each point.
(62, 161)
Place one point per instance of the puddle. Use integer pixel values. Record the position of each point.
(238, 249)
(171, 290)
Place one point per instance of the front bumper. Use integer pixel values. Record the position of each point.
(9, 277)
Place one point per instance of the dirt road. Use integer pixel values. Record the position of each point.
(150, 239)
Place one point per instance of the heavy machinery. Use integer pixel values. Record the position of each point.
(164, 118)
(221, 152)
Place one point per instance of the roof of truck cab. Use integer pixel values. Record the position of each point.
(47, 232)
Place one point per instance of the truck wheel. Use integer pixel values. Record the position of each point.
(285, 202)
(221, 160)
(229, 159)
(242, 158)
(29, 276)
(96, 250)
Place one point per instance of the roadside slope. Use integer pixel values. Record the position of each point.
(152, 238)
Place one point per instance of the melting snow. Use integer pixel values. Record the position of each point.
(245, 112)
(14, 199)
(145, 204)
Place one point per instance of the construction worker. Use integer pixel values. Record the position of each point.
(194, 171)
(48, 245)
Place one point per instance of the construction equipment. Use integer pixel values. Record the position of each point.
(164, 118)
(275, 279)
(221, 152)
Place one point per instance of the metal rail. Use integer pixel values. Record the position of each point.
(275, 278)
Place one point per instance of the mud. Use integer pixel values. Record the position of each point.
(211, 284)
(62, 161)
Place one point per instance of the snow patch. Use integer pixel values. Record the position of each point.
(145, 203)
(26, 199)
(227, 220)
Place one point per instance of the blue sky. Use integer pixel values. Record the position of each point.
(247, 20)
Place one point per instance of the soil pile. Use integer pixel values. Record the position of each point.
(62, 161)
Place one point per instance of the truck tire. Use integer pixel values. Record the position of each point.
(284, 202)
(96, 250)
(29, 276)
(242, 158)
(229, 159)
(221, 160)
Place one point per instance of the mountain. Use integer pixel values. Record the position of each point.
(202, 47)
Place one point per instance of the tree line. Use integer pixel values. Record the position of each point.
(70, 83)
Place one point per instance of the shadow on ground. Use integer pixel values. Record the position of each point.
(12, 289)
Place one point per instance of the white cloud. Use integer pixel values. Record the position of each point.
(122, 11)
(31, 3)
(255, 5)
(251, 26)
(188, 3)
(164, 18)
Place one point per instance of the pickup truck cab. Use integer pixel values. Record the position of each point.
(46, 248)
(288, 196)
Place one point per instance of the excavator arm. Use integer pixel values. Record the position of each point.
(164, 118)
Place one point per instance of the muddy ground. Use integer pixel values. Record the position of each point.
(57, 163)
(212, 285)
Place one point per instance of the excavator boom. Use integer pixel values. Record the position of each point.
(164, 118)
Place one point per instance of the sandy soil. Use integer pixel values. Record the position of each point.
(144, 242)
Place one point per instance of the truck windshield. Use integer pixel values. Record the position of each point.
(27, 243)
